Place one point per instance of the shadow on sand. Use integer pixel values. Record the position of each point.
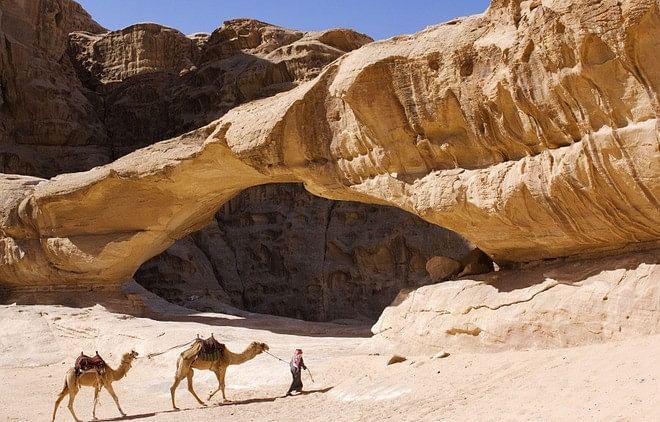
(231, 403)
(132, 299)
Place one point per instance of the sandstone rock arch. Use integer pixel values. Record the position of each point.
(529, 130)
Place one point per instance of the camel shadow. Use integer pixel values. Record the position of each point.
(130, 417)
(149, 414)
(246, 401)
(232, 403)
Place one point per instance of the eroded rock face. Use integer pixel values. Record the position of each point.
(136, 50)
(545, 305)
(152, 82)
(276, 249)
(47, 124)
(74, 96)
(506, 127)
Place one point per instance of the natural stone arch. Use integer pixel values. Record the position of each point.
(522, 174)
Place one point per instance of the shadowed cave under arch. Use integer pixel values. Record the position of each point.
(276, 249)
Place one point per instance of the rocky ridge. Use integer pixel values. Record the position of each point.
(564, 303)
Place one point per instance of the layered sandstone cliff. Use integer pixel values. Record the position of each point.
(153, 82)
(74, 96)
(46, 122)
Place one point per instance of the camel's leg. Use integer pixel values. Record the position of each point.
(181, 372)
(220, 375)
(222, 382)
(190, 387)
(177, 380)
(108, 386)
(97, 389)
(60, 397)
(72, 396)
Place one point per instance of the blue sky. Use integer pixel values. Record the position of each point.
(377, 18)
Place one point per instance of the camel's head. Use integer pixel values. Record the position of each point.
(259, 347)
(132, 354)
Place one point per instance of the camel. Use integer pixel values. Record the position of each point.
(72, 383)
(189, 360)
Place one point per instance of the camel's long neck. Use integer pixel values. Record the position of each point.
(122, 369)
(238, 358)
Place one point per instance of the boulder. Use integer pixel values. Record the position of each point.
(476, 262)
(441, 268)
(396, 359)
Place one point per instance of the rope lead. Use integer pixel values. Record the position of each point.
(151, 355)
(281, 360)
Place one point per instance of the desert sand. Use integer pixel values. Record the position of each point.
(610, 381)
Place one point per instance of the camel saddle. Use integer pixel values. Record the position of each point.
(208, 349)
(89, 363)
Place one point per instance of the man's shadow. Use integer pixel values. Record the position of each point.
(321, 391)
(270, 399)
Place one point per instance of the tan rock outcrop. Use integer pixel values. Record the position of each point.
(532, 130)
(545, 305)
(138, 49)
(442, 267)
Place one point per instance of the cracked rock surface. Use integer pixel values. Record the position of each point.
(545, 305)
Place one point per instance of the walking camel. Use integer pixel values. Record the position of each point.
(98, 380)
(210, 355)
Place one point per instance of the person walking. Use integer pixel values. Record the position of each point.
(297, 365)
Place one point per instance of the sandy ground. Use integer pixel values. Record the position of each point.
(605, 382)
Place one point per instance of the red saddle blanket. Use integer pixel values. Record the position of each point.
(85, 363)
